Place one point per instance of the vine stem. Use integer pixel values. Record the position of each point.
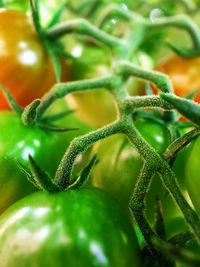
(62, 89)
(110, 82)
(161, 80)
(82, 26)
(77, 146)
(168, 177)
(178, 21)
(137, 205)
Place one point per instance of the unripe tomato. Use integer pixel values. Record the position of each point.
(26, 67)
(192, 167)
(17, 141)
(76, 228)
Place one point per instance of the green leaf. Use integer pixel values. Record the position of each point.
(34, 4)
(159, 225)
(58, 116)
(11, 101)
(187, 108)
(54, 128)
(42, 178)
(56, 16)
(55, 60)
(84, 175)
(28, 174)
(178, 253)
(182, 239)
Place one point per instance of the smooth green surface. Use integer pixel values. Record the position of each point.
(77, 228)
(192, 173)
(17, 141)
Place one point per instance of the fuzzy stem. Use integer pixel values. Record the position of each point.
(137, 205)
(167, 176)
(161, 80)
(82, 26)
(179, 21)
(78, 145)
(62, 89)
(135, 102)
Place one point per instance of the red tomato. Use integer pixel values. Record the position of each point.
(26, 67)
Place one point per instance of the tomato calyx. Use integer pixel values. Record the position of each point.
(29, 114)
(43, 181)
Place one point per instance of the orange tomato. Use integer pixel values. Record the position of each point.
(26, 67)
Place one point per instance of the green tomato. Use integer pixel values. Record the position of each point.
(75, 228)
(17, 141)
(192, 168)
(120, 164)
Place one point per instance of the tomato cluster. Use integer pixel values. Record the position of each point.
(92, 225)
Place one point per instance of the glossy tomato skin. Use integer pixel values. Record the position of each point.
(120, 164)
(26, 67)
(17, 141)
(75, 228)
(192, 172)
(184, 74)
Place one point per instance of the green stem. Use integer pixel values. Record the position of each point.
(34, 4)
(62, 89)
(77, 146)
(82, 26)
(179, 21)
(137, 205)
(161, 80)
(180, 254)
(167, 175)
(135, 102)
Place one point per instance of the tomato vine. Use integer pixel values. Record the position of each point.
(126, 104)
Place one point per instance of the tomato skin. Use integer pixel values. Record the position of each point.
(120, 164)
(184, 74)
(16, 142)
(192, 181)
(26, 67)
(75, 228)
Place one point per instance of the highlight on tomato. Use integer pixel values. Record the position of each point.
(192, 168)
